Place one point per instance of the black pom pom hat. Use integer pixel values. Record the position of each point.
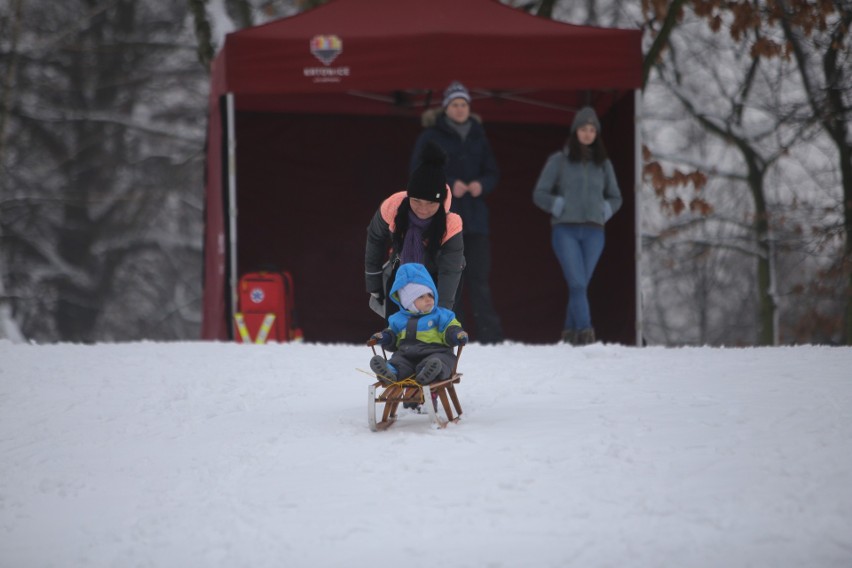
(427, 181)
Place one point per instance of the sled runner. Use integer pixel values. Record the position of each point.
(411, 392)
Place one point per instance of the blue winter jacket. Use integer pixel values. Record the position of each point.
(432, 328)
(469, 160)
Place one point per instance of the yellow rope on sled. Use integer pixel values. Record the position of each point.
(402, 384)
(408, 381)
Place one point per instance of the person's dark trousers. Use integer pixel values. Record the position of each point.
(477, 255)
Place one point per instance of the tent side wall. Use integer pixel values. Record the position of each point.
(614, 285)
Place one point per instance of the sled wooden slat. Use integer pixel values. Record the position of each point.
(445, 401)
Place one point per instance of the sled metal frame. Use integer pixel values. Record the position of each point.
(425, 396)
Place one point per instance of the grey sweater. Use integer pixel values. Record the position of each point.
(577, 192)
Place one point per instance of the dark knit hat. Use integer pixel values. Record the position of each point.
(455, 91)
(428, 181)
(584, 116)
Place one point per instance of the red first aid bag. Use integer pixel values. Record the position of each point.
(266, 308)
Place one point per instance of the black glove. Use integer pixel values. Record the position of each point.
(383, 338)
(379, 296)
(459, 338)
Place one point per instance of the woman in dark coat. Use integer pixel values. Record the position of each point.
(417, 226)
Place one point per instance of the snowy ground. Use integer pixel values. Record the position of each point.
(224, 455)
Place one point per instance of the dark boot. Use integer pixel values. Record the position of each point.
(430, 371)
(586, 336)
(569, 336)
(384, 370)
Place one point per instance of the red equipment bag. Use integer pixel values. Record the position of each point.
(266, 309)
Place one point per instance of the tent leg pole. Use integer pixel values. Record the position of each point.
(637, 196)
(232, 201)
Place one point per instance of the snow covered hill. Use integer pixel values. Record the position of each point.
(224, 455)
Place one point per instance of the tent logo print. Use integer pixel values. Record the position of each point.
(326, 48)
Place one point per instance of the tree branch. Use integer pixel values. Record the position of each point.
(661, 40)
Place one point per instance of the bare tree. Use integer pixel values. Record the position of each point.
(817, 36)
(755, 105)
(821, 46)
(102, 211)
(238, 14)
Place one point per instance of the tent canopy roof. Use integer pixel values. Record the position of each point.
(410, 46)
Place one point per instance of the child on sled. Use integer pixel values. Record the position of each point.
(422, 335)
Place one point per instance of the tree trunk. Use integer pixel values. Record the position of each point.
(836, 123)
(757, 167)
(545, 10)
(765, 290)
(6, 90)
(203, 34)
(91, 184)
(827, 102)
(9, 328)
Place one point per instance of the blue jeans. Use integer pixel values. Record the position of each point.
(578, 249)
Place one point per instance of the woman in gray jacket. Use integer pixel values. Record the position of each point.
(577, 187)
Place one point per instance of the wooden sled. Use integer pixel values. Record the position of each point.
(409, 391)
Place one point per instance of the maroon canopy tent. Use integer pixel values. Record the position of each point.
(312, 121)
